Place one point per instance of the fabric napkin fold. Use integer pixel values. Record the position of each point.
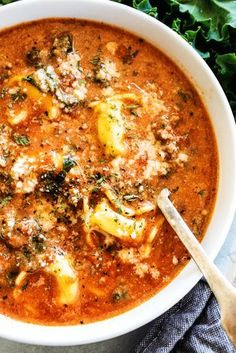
(192, 325)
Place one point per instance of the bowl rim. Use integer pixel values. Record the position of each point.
(138, 316)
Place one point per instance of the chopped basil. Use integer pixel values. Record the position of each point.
(21, 140)
(99, 178)
(6, 186)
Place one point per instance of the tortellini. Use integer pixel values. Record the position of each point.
(111, 124)
(143, 207)
(111, 222)
(45, 101)
(111, 127)
(67, 279)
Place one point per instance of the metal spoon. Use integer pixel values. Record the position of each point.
(223, 290)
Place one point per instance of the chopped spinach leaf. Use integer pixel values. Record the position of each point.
(129, 56)
(38, 244)
(26, 252)
(185, 96)
(69, 163)
(33, 57)
(62, 45)
(31, 80)
(51, 183)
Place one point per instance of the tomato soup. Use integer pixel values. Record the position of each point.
(94, 123)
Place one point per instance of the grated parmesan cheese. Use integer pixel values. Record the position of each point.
(175, 261)
(107, 91)
(181, 159)
(107, 71)
(155, 167)
(70, 66)
(132, 256)
(23, 172)
(141, 269)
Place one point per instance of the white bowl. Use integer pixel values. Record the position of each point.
(222, 119)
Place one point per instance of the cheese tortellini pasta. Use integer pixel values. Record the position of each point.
(111, 124)
(115, 224)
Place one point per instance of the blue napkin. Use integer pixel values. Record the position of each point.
(191, 326)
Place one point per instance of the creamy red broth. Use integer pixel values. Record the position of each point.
(94, 123)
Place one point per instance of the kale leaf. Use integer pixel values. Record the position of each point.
(5, 2)
(142, 5)
(209, 26)
(226, 67)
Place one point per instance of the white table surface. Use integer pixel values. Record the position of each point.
(226, 261)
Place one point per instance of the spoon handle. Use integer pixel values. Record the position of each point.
(223, 290)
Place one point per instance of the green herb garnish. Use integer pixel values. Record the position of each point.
(19, 96)
(68, 163)
(31, 80)
(5, 200)
(21, 140)
(3, 93)
(129, 56)
(119, 295)
(95, 60)
(201, 192)
(98, 178)
(184, 96)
